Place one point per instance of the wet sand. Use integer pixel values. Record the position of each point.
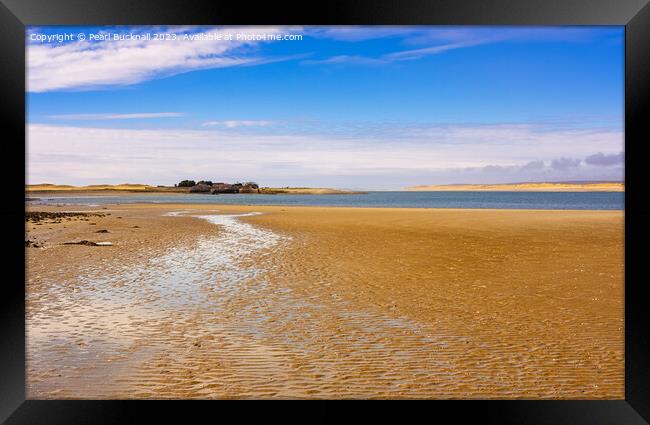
(313, 302)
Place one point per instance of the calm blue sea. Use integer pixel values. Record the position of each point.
(509, 200)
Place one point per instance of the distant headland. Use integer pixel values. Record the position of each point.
(575, 186)
(185, 186)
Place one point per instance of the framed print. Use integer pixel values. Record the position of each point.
(343, 201)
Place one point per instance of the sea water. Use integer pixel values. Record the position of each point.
(446, 199)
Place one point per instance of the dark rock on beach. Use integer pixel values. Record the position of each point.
(83, 242)
(56, 217)
(88, 243)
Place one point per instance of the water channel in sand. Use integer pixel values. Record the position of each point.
(124, 331)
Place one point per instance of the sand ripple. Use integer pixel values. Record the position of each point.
(241, 313)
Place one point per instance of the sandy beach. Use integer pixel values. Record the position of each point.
(215, 301)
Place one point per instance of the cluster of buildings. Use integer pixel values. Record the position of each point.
(216, 188)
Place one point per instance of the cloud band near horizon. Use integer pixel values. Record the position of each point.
(92, 155)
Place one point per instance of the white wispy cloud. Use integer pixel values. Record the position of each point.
(102, 117)
(439, 40)
(238, 123)
(433, 50)
(85, 64)
(346, 59)
(402, 55)
(354, 33)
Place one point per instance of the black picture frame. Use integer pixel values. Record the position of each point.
(633, 14)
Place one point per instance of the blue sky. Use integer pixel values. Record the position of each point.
(355, 107)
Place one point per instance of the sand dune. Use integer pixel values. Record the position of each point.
(96, 187)
(525, 187)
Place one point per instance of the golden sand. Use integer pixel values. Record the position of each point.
(350, 303)
(524, 187)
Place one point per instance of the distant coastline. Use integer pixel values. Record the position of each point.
(143, 188)
(526, 187)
